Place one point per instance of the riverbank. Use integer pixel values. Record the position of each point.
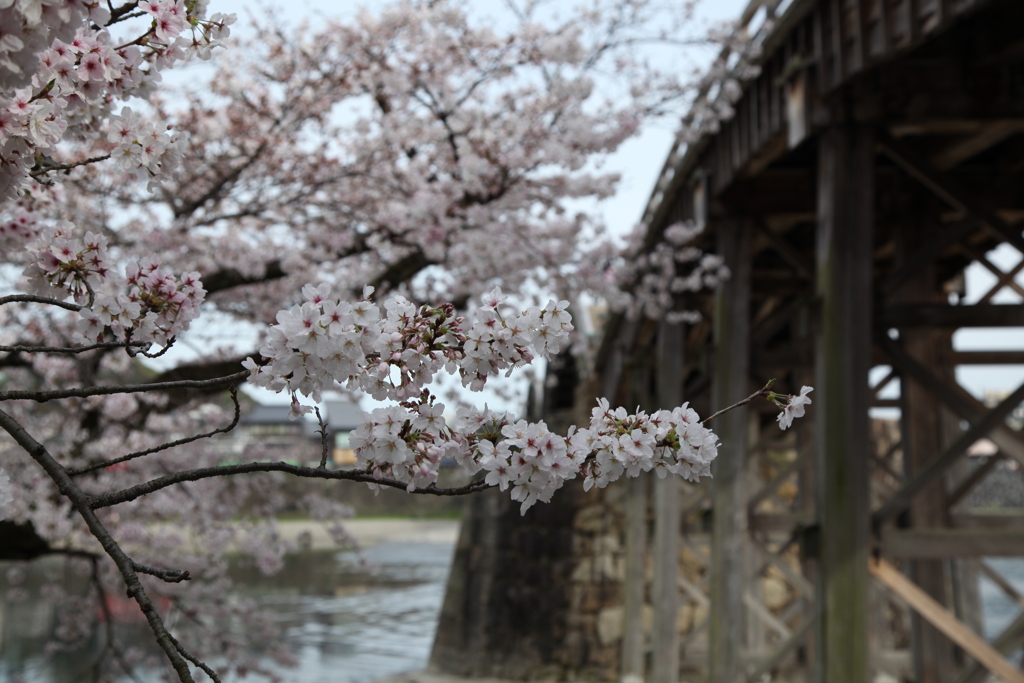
(368, 532)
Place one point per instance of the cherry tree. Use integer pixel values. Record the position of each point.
(361, 191)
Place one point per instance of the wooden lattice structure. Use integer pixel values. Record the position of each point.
(879, 153)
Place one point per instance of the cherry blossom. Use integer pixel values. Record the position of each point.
(794, 407)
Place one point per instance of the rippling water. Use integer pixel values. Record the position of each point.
(348, 618)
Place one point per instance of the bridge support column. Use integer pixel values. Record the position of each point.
(729, 531)
(844, 259)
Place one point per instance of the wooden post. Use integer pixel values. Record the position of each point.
(633, 640)
(665, 589)
(844, 256)
(922, 427)
(633, 608)
(729, 529)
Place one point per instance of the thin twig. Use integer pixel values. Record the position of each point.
(168, 575)
(764, 391)
(149, 451)
(323, 439)
(206, 669)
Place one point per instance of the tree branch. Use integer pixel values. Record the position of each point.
(33, 299)
(164, 447)
(153, 485)
(85, 392)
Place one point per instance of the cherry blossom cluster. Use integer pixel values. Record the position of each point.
(142, 147)
(60, 69)
(148, 304)
(19, 229)
(407, 443)
(648, 279)
(69, 262)
(392, 354)
(157, 307)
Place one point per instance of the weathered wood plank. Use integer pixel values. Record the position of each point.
(844, 244)
(665, 588)
(946, 543)
(1005, 643)
(633, 669)
(944, 620)
(944, 315)
(729, 525)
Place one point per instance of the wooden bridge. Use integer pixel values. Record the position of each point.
(878, 154)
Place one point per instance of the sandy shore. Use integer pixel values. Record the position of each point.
(370, 532)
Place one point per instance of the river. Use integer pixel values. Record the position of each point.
(349, 618)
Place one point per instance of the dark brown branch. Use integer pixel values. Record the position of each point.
(365, 476)
(164, 447)
(230, 278)
(85, 392)
(71, 349)
(43, 170)
(195, 660)
(323, 439)
(33, 299)
(168, 575)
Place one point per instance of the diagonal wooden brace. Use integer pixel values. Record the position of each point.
(936, 466)
(947, 190)
(1010, 442)
(943, 620)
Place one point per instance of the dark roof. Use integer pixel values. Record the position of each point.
(339, 415)
(342, 415)
(262, 415)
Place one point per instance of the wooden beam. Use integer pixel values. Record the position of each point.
(938, 465)
(783, 249)
(1010, 442)
(922, 437)
(944, 620)
(988, 357)
(1005, 643)
(926, 254)
(947, 190)
(987, 137)
(1009, 519)
(939, 543)
(950, 126)
(729, 524)
(969, 482)
(844, 243)
(944, 315)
